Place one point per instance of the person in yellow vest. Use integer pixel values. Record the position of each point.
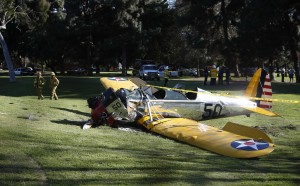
(39, 83)
(166, 75)
(213, 75)
(54, 82)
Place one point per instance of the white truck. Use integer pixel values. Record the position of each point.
(149, 71)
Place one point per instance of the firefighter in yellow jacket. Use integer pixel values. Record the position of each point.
(213, 75)
(54, 82)
(39, 84)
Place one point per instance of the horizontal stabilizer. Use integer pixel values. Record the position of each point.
(261, 111)
(246, 131)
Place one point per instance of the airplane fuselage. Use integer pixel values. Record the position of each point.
(200, 110)
(203, 106)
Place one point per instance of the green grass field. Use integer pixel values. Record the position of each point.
(42, 142)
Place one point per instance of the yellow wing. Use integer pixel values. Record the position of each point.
(233, 140)
(117, 83)
(127, 83)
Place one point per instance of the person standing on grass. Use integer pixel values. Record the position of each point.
(220, 75)
(205, 75)
(39, 82)
(291, 75)
(282, 74)
(213, 75)
(166, 75)
(54, 82)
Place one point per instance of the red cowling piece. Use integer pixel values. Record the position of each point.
(100, 116)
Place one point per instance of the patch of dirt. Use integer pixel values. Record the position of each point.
(278, 129)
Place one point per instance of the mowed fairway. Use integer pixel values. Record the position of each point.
(42, 142)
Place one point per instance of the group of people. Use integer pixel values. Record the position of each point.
(215, 73)
(39, 83)
(291, 73)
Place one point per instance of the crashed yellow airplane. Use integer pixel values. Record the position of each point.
(175, 113)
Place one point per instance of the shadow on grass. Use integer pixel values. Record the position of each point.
(166, 169)
(78, 112)
(69, 122)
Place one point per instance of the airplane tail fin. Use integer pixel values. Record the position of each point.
(260, 87)
(251, 90)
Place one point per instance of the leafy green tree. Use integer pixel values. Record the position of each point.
(122, 30)
(158, 32)
(20, 17)
(252, 31)
(209, 26)
(104, 28)
(268, 31)
(127, 26)
(7, 14)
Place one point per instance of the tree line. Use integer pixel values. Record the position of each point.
(61, 34)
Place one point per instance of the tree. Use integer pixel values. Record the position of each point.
(268, 30)
(211, 25)
(158, 32)
(7, 14)
(105, 28)
(128, 24)
(123, 30)
(252, 31)
(20, 17)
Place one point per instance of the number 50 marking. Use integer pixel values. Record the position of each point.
(211, 111)
(116, 106)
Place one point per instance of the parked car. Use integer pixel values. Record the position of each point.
(149, 71)
(188, 72)
(24, 71)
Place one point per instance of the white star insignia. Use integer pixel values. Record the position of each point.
(250, 143)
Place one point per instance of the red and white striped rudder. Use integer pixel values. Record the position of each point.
(267, 94)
